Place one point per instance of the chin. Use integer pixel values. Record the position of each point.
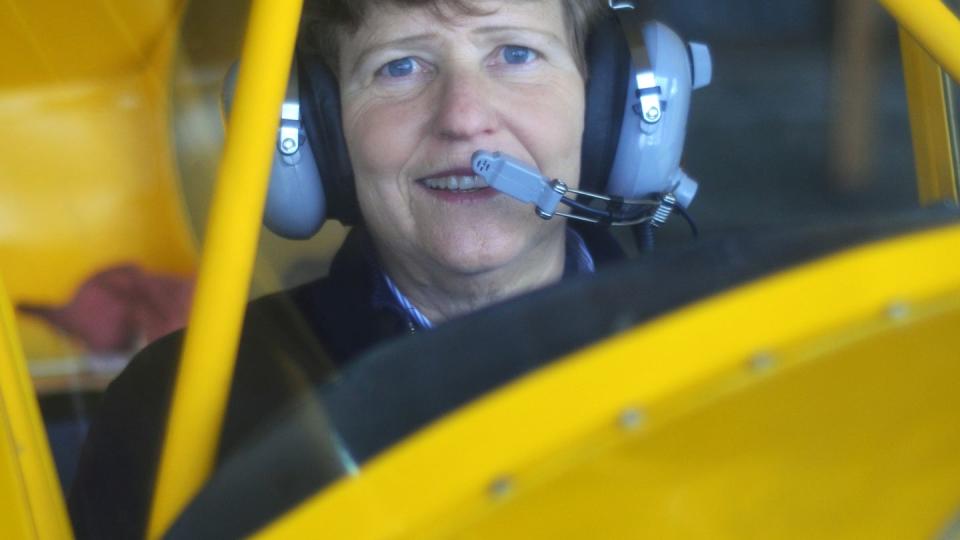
(472, 253)
(474, 250)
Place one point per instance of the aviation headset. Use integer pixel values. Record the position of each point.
(637, 100)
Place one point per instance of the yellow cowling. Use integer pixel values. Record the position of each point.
(818, 402)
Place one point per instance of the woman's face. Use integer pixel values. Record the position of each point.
(421, 93)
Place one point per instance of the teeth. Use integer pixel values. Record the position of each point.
(456, 183)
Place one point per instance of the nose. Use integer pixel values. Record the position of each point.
(465, 108)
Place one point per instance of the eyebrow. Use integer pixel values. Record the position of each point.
(430, 36)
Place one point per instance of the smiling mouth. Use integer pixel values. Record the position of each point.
(456, 183)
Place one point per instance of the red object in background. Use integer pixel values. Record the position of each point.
(121, 308)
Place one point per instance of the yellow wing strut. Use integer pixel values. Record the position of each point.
(206, 369)
(934, 26)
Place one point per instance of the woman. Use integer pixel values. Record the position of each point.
(417, 104)
(423, 84)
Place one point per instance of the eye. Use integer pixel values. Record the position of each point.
(402, 67)
(517, 54)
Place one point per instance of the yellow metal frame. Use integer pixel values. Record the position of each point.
(934, 27)
(206, 368)
(30, 492)
(465, 457)
(933, 123)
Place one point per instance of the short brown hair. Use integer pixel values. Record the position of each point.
(325, 20)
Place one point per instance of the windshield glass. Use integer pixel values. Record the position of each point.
(801, 145)
(784, 135)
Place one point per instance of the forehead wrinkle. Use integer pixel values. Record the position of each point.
(507, 29)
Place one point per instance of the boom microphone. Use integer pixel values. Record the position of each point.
(524, 183)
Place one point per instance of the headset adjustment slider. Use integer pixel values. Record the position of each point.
(648, 92)
(288, 141)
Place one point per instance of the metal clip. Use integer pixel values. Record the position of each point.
(547, 205)
(648, 92)
(289, 137)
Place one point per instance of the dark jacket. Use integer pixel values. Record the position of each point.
(291, 341)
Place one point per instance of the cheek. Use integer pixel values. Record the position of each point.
(380, 138)
(549, 125)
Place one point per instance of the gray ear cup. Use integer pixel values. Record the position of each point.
(652, 134)
(296, 205)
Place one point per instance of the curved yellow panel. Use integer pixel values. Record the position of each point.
(846, 436)
(817, 403)
(87, 168)
(87, 183)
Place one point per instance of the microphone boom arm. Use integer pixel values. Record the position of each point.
(525, 184)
